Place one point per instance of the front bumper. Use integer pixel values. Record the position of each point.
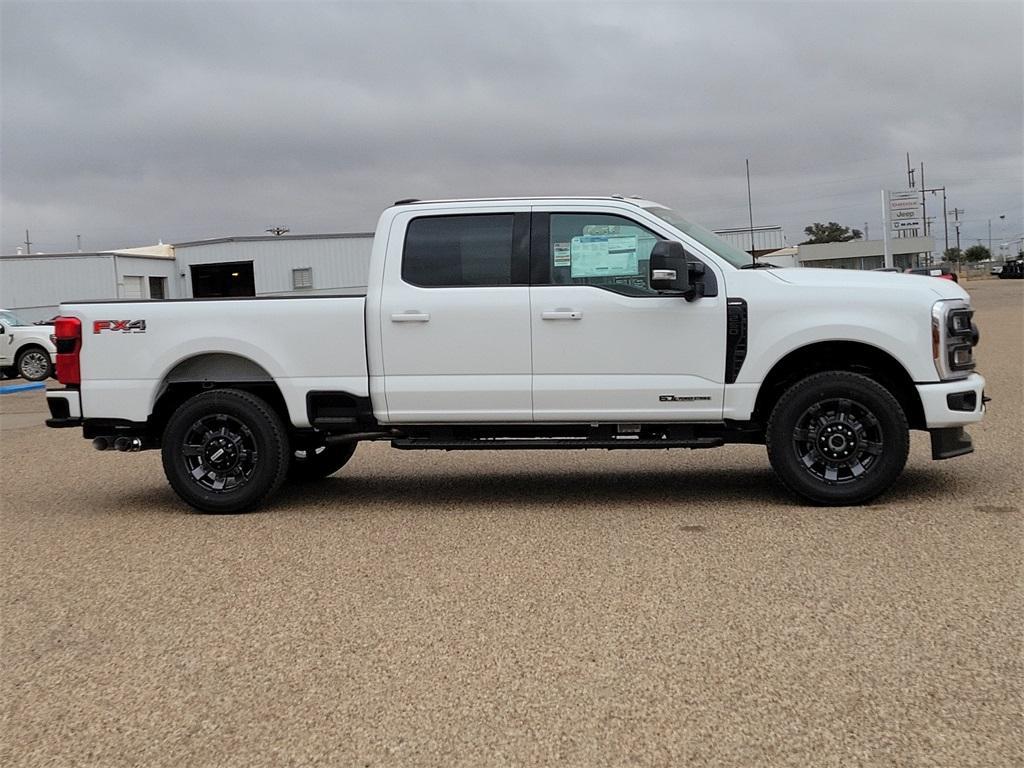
(953, 403)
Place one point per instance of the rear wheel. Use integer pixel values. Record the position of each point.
(838, 438)
(225, 451)
(34, 364)
(315, 463)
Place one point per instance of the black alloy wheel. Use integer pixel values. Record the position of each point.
(220, 453)
(838, 438)
(225, 451)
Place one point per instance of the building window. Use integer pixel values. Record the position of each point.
(302, 278)
(158, 287)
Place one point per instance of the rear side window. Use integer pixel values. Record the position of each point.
(459, 251)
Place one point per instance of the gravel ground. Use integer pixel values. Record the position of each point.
(519, 608)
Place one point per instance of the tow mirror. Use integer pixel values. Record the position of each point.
(669, 270)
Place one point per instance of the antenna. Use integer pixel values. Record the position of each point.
(750, 210)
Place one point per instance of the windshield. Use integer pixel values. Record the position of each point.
(9, 318)
(705, 237)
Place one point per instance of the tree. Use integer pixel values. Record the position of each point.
(952, 254)
(832, 232)
(977, 253)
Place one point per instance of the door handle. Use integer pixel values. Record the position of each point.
(561, 314)
(410, 317)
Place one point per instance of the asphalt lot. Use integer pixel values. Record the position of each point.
(519, 608)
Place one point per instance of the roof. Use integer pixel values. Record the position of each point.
(634, 199)
(162, 252)
(274, 238)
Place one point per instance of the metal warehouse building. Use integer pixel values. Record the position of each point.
(33, 286)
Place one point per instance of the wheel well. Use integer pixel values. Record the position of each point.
(852, 356)
(30, 346)
(207, 372)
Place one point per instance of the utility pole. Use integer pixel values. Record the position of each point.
(910, 173)
(79, 238)
(924, 207)
(945, 219)
(278, 231)
(866, 231)
(28, 244)
(956, 223)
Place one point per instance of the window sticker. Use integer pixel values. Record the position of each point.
(562, 254)
(603, 255)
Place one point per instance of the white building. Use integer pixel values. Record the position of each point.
(853, 254)
(765, 239)
(34, 285)
(233, 266)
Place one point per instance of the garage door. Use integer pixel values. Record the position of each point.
(132, 287)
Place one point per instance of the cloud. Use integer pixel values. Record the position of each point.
(128, 122)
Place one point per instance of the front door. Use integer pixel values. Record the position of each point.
(455, 318)
(608, 348)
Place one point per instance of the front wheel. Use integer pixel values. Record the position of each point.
(225, 451)
(838, 438)
(34, 364)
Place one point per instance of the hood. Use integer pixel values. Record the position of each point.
(866, 280)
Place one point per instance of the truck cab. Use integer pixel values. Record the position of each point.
(539, 323)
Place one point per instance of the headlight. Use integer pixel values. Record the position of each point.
(953, 338)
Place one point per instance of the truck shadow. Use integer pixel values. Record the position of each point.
(724, 491)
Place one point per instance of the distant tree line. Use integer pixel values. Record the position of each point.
(833, 232)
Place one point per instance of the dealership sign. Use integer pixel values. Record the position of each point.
(904, 210)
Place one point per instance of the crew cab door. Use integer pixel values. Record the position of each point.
(455, 317)
(606, 346)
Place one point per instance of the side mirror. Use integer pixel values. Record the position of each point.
(669, 271)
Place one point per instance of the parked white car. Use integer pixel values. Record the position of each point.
(26, 350)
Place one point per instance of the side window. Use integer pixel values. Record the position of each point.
(600, 249)
(449, 251)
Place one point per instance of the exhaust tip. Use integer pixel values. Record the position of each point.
(101, 444)
(124, 444)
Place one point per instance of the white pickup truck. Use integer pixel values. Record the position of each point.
(542, 323)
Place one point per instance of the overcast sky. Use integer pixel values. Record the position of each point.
(132, 122)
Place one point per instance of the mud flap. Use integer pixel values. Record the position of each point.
(950, 442)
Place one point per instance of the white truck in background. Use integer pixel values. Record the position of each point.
(26, 350)
(541, 323)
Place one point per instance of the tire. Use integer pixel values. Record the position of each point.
(838, 438)
(225, 451)
(34, 364)
(307, 465)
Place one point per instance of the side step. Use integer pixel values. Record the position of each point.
(550, 443)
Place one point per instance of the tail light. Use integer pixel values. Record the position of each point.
(68, 333)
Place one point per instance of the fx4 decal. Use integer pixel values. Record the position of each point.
(124, 326)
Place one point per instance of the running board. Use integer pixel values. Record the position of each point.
(550, 443)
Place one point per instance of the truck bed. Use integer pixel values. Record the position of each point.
(130, 349)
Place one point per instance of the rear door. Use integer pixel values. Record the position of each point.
(606, 346)
(455, 317)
